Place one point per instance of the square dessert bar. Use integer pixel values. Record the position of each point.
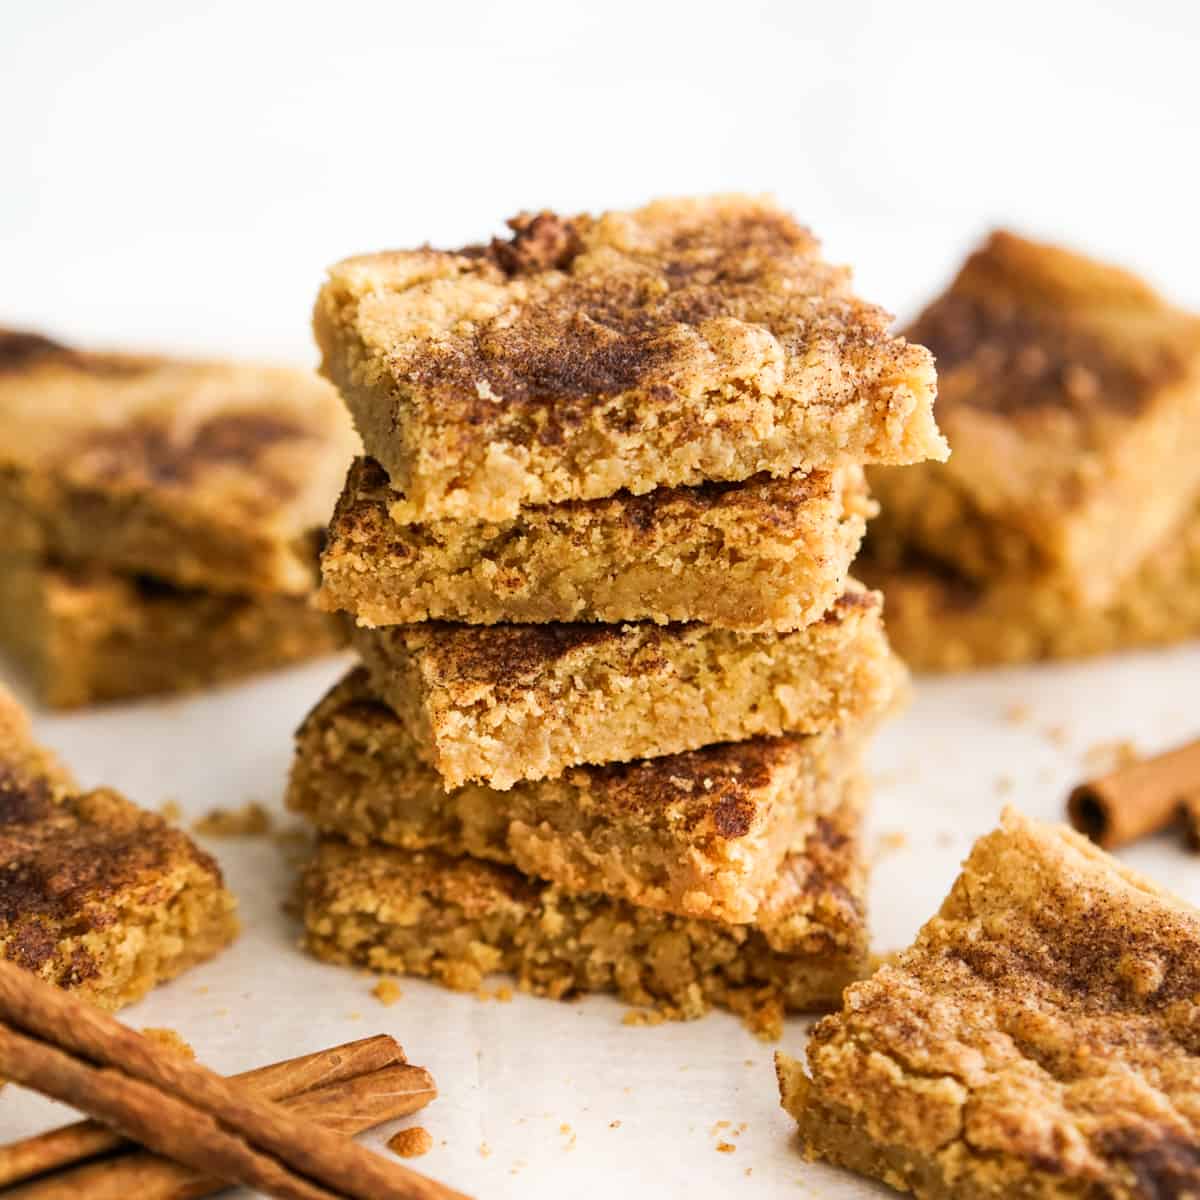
(1070, 392)
(499, 703)
(95, 894)
(85, 635)
(458, 920)
(209, 475)
(1039, 1039)
(763, 554)
(700, 834)
(687, 341)
(939, 620)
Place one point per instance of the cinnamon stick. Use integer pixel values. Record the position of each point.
(74, 1143)
(349, 1106)
(1135, 800)
(179, 1108)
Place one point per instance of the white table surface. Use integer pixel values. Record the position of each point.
(530, 1090)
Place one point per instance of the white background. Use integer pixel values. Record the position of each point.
(179, 175)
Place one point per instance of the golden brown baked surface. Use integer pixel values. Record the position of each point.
(685, 341)
(937, 620)
(457, 920)
(96, 894)
(500, 703)
(701, 833)
(203, 473)
(84, 635)
(1070, 392)
(1039, 1039)
(763, 554)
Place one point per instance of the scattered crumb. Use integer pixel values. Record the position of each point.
(503, 994)
(251, 820)
(1110, 756)
(747, 1062)
(944, 839)
(1057, 734)
(169, 810)
(725, 1147)
(889, 842)
(485, 1151)
(643, 1016)
(614, 1124)
(168, 1039)
(1004, 785)
(749, 1172)
(387, 992)
(718, 1127)
(1017, 713)
(411, 1143)
(354, 1016)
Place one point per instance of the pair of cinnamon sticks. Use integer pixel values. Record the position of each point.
(1140, 799)
(284, 1129)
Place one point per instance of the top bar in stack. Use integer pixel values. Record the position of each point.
(208, 475)
(686, 342)
(1071, 393)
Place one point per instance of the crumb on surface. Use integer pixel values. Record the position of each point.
(251, 820)
(614, 1124)
(387, 992)
(1004, 785)
(485, 1151)
(643, 1016)
(411, 1143)
(1018, 712)
(1058, 734)
(1110, 755)
(169, 1039)
(725, 1147)
(889, 842)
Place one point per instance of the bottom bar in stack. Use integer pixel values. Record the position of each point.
(87, 634)
(761, 837)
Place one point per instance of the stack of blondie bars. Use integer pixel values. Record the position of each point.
(616, 678)
(1067, 522)
(161, 518)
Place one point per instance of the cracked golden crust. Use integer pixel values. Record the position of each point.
(1038, 1039)
(86, 635)
(700, 833)
(459, 920)
(937, 620)
(763, 554)
(95, 893)
(205, 473)
(501, 703)
(1070, 392)
(686, 341)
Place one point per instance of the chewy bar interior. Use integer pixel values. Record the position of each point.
(502, 703)
(458, 920)
(939, 620)
(685, 342)
(1070, 392)
(1038, 1038)
(84, 635)
(96, 894)
(763, 554)
(204, 474)
(699, 834)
